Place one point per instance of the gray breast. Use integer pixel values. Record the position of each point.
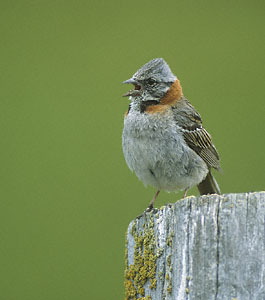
(155, 150)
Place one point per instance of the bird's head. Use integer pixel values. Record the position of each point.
(151, 81)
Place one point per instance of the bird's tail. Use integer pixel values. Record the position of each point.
(209, 185)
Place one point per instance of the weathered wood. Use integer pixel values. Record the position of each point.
(210, 247)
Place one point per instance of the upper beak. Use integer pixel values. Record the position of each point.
(131, 80)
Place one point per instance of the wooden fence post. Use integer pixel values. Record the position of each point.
(205, 248)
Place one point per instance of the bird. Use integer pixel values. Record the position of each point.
(163, 140)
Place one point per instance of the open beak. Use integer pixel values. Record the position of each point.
(137, 88)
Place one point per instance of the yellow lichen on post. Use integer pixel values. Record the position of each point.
(153, 283)
(129, 287)
(144, 266)
(145, 298)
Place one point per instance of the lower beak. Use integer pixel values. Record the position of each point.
(130, 93)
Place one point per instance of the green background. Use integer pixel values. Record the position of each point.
(67, 195)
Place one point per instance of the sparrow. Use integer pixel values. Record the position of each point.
(163, 140)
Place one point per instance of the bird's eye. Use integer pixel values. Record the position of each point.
(150, 81)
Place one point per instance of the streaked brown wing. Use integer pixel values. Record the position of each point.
(197, 138)
(200, 141)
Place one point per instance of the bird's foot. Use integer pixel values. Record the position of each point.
(148, 210)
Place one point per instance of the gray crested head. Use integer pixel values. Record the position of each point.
(156, 69)
(151, 81)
